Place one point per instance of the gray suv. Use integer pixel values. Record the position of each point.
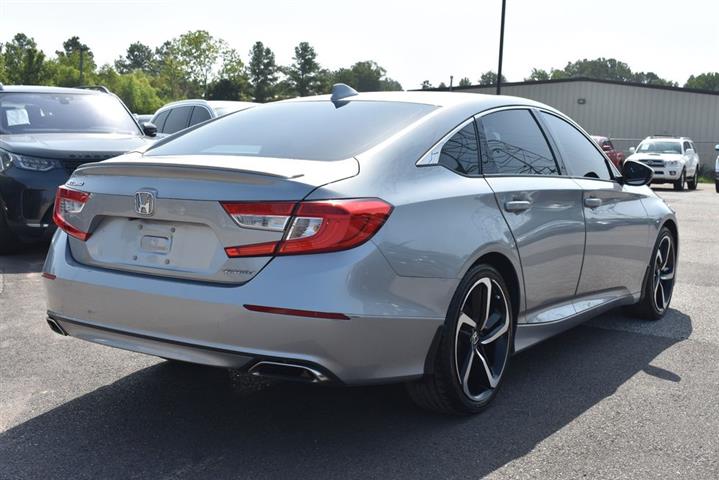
(375, 237)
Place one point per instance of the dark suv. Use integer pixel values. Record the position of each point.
(45, 133)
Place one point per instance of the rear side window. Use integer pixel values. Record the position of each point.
(460, 152)
(579, 154)
(177, 120)
(159, 120)
(199, 115)
(686, 146)
(309, 130)
(515, 145)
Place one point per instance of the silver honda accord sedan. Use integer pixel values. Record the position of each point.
(360, 238)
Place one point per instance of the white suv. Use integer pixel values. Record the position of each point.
(673, 159)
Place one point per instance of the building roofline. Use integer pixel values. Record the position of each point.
(580, 79)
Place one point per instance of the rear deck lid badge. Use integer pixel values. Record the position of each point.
(145, 203)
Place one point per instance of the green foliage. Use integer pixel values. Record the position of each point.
(199, 52)
(490, 78)
(232, 82)
(75, 56)
(133, 88)
(138, 57)
(442, 85)
(171, 72)
(24, 63)
(427, 85)
(262, 72)
(304, 76)
(3, 77)
(465, 82)
(537, 75)
(366, 76)
(704, 81)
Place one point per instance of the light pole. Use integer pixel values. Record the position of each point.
(501, 49)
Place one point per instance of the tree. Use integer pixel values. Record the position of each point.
(600, 68)
(304, 76)
(704, 81)
(426, 85)
(171, 71)
(490, 78)
(537, 75)
(232, 82)
(24, 63)
(263, 72)
(366, 76)
(651, 78)
(442, 85)
(138, 57)
(3, 77)
(199, 52)
(133, 88)
(75, 58)
(465, 82)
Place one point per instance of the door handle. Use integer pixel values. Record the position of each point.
(592, 202)
(517, 205)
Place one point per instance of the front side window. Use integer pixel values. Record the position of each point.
(578, 152)
(460, 152)
(515, 145)
(28, 113)
(159, 120)
(686, 146)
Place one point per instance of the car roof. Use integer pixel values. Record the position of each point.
(666, 138)
(206, 103)
(46, 89)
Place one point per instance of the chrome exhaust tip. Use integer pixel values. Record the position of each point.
(287, 371)
(55, 327)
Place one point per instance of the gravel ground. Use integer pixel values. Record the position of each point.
(615, 398)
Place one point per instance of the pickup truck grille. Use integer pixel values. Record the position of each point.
(653, 163)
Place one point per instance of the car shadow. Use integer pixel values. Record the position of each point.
(180, 421)
(28, 260)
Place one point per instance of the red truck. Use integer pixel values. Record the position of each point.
(615, 156)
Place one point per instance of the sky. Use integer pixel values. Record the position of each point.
(412, 40)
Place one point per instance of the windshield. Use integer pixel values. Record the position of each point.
(24, 113)
(660, 147)
(316, 130)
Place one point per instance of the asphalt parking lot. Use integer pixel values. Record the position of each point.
(616, 398)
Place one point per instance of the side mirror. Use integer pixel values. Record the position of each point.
(636, 174)
(149, 129)
(632, 150)
(716, 147)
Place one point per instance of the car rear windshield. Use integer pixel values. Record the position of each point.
(64, 113)
(660, 147)
(317, 130)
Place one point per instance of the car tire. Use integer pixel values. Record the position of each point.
(9, 243)
(692, 184)
(469, 360)
(679, 184)
(660, 278)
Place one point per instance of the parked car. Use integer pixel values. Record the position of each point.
(177, 116)
(420, 237)
(616, 156)
(673, 159)
(45, 133)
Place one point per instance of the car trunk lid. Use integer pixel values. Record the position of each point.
(162, 215)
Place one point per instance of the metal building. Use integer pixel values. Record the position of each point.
(628, 112)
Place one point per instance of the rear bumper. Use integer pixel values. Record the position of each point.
(392, 319)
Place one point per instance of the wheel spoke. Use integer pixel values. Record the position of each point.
(491, 379)
(465, 320)
(667, 276)
(467, 370)
(496, 333)
(667, 253)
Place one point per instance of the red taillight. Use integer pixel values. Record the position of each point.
(310, 227)
(67, 203)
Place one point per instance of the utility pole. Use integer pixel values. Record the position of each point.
(501, 50)
(451, 80)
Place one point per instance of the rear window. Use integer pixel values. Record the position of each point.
(64, 113)
(301, 130)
